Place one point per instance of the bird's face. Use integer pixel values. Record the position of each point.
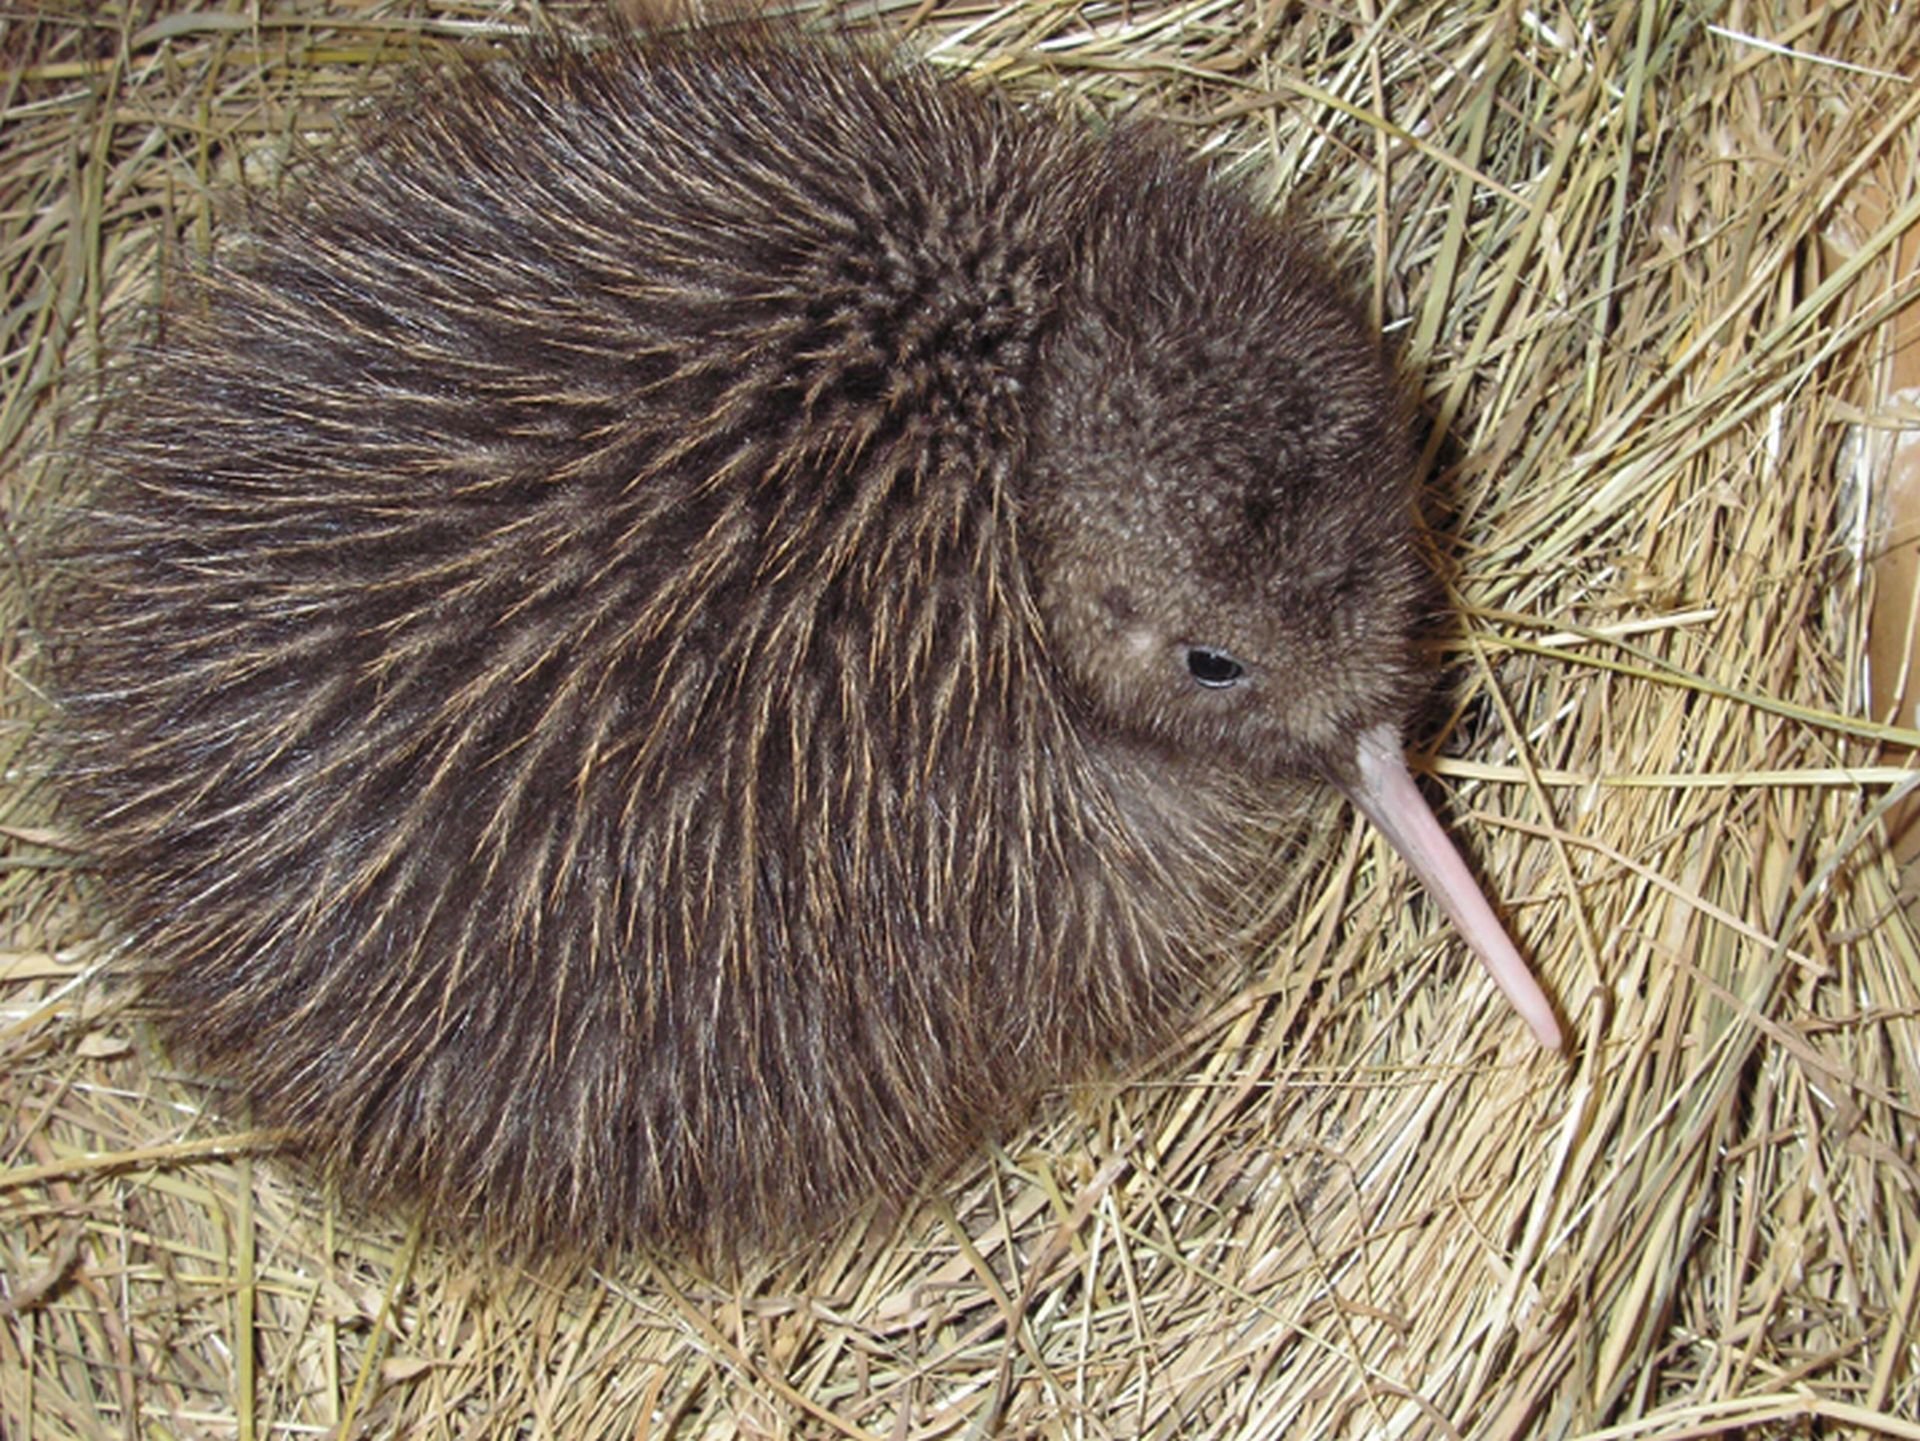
(1224, 558)
(1225, 551)
(1175, 620)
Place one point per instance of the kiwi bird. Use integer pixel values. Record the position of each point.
(689, 624)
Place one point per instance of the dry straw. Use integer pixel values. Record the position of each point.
(1643, 264)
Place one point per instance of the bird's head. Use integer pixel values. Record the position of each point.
(1223, 532)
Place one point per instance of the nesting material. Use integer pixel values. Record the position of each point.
(1351, 1199)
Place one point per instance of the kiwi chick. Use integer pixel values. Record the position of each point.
(695, 622)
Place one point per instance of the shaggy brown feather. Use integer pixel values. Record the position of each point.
(637, 679)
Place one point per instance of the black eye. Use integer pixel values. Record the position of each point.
(1213, 667)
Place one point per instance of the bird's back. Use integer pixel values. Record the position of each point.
(558, 693)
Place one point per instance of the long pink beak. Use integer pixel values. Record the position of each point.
(1384, 790)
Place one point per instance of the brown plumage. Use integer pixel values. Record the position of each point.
(692, 624)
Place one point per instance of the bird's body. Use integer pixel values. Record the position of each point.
(691, 625)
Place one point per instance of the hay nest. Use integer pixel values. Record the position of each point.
(1654, 275)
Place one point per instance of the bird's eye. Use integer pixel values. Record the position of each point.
(1214, 668)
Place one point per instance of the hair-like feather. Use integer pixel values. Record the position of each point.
(631, 670)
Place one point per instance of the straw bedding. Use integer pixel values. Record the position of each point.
(1651, 271)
